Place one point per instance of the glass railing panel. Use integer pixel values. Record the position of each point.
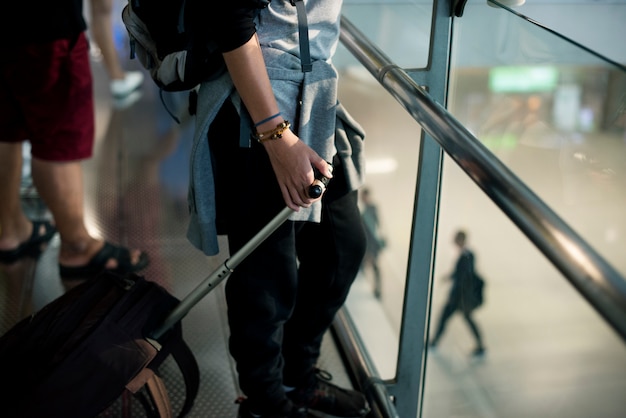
(548, 352)
(385, 22)
(554, 113)
(391, 152)
(593, 24)
(402, 30)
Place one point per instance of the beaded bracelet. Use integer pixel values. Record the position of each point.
(275, 133)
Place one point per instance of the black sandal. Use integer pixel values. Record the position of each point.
(98, 262)
(32, 246)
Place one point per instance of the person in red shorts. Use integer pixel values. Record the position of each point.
(46, 97)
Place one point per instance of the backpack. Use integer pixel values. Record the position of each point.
(473, 293)
(80, 353)
(170, 41)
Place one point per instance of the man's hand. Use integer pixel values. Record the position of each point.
(293, 162)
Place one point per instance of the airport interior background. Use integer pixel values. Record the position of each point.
(549, 104)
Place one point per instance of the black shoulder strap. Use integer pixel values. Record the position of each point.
(303, 35)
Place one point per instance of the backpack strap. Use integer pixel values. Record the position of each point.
(303, 35)
(188, 365)
(159, 397)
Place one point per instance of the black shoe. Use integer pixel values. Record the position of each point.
(479, 352)
(285, 410)
(325, 397)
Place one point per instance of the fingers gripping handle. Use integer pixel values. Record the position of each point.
(317, 188)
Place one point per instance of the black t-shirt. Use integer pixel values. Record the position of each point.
(28, 21)
(232, 22)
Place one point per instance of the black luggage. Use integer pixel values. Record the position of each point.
(82, 351)
(79, 353)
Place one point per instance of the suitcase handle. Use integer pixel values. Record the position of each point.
(228, 266)
(320, 183)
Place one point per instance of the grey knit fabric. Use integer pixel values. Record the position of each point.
(323, 123)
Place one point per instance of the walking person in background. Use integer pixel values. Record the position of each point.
(375, 242)
(122, 83)
(465, 295)
(46, 97)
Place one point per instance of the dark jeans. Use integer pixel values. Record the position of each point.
(284, 296)
(448, 310)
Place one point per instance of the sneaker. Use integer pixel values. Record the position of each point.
(131, 82)
(124, 102)
(330, 399)
(286, 410)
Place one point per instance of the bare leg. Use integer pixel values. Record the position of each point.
(60, 185)
(123, 83)
(15, 227)
(102, 31)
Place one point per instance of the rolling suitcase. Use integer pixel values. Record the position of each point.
(79, 353)
(82, 351)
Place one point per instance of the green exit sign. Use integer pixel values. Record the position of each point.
(522, 79)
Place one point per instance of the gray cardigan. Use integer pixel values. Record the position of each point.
(324, 125)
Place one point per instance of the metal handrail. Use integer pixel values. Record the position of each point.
(601, 284)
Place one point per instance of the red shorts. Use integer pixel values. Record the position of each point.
(46, 96)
